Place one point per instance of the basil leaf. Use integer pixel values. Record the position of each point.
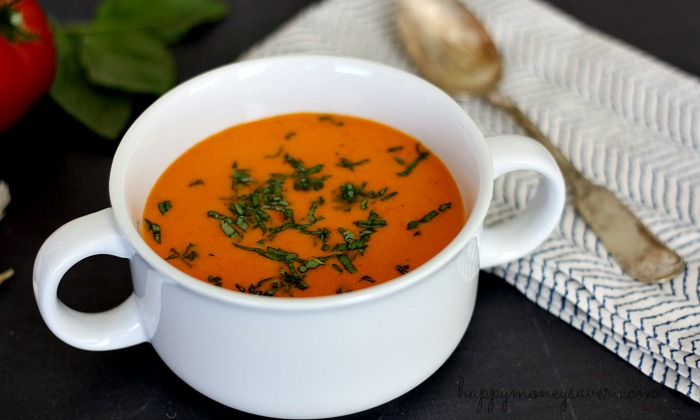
(106, 112)
(131, 62)
(165, 20)
(121, 52)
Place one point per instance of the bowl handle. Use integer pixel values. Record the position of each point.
(86, 236)
(516, 237)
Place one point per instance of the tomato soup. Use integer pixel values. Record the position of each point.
(303, 205)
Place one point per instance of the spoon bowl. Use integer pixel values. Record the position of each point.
(445, 32)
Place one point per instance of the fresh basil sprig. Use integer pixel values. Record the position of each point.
(123, 51)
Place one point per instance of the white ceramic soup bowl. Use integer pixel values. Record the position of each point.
(298, 357)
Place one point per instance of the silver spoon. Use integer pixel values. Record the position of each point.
(450, 47)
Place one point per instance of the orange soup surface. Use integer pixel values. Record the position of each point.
(302, 205)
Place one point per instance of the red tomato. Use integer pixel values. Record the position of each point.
(27, 58)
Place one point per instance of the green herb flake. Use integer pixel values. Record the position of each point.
(228, 229)
(215, 280)
(345, 261)
(403, 269)
(388, 196)
(271, 253)
(190, 254)
(173, 254)
(394, 149)
(187, 256)
(277, 154)
(196, 182)
(227, 224)
(164, 207)
(372, 222)
(425, 219)
(345, 163)
(330, 119)
(152, 227)
(311, 215)
(305, 180)
(428, 217)
(349, 192)
(421, 155)
(310, 265)
(240, 177)
(368, 278)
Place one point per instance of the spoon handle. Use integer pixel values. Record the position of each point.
(638, 251)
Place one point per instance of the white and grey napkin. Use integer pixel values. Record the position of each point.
(624, 118)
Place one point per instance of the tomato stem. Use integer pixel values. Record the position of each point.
(12, 23)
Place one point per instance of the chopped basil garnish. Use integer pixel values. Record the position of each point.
(152, 227)
(344, 163)
(421, 155)
(215, 280)
(164, 206)
(240, 176)
(388, 196)
(173, 254)
(330, 119)
(187, 256)
(305, 181)
(445, 206)
(428, 217)
(351, 193)
(425, 219)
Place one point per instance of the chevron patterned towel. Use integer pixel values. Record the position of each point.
(625, 119)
